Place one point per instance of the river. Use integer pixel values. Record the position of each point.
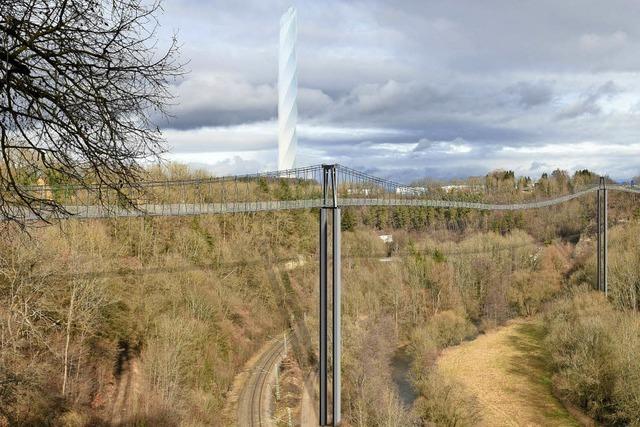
(400, 370)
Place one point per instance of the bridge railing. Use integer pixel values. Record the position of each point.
(360, 189)
(295, 188)
(270, 191)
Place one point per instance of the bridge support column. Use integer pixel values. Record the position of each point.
(336, 318)
(602, 222)
(330, 206)
(323, 317)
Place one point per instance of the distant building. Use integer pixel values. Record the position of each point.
(45, 191)
(358, 191)
(387, 238)
(411, 191)
(463, 187)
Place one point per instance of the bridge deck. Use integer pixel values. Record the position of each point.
(235, 194)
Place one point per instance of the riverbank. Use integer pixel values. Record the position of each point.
(508, 372)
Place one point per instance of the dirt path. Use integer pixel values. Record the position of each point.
(507, 370)
(126, 388)
(308, 410)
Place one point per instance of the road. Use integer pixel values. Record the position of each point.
(254, 403)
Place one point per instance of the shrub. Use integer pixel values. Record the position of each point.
(442, 401)
(448, 328)
(624, 274)
(531, 289)
(424, 352)
(626, 392)
(594, 351)
(349, 220)
(446, 403)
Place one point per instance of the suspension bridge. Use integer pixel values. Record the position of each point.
(325, 187)
(301, 188)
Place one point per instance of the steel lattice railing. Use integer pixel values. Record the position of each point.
(299, 188)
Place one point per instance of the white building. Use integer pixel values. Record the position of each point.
(287, 91)
(358, 191)
(387, 238)
(463, 187)
(411, 191)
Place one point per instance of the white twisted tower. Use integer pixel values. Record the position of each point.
(287, 91)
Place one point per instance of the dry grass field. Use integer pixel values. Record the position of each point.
(508, 371)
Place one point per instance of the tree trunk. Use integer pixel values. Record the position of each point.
(66, 346)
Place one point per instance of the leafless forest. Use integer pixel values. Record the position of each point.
(147, 321)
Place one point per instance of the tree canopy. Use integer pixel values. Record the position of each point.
(80, 83)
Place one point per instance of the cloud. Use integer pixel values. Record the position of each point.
(312, 102)
(447, 163)
(599, 42)
(589, 102)
(226, 166)
(373, 98)
(531, 94)
(457, 146)
(263, 136)
(211, 99)
(231, 139)
(411, 87)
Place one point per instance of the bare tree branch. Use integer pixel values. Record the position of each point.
(79, 83)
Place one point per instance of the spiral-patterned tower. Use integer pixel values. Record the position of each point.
(287, 91)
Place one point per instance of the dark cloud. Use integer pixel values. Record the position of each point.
(380, 79)
(531, 94)
(588, 104)
(216, 99)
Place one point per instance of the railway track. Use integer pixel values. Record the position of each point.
(252, 407)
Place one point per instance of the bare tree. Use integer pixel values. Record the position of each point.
(80, 81)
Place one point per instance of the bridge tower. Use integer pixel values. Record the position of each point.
(330, 208)
(602, 222)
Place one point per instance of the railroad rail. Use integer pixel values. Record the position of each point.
(251, 404)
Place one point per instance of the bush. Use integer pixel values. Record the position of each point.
(441, 400)
(624, 274)
(446, 403)
(424, 352)
(531, 289)
(626, 392)
(594, 351)
(349, 220)
(448, 328)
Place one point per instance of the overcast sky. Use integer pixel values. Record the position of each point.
(407, 89)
